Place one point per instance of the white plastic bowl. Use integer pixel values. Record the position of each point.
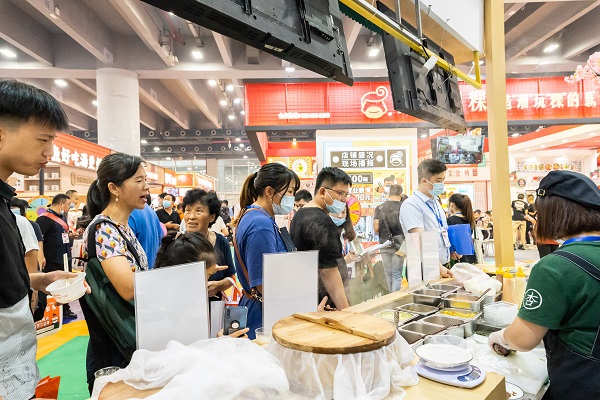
(68, 289)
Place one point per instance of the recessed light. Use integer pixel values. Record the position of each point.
(95, 102)
(242, 112)
(157, 148)
(8, 53)
(223, 102)
(212, 83)
(290, 69)
(245, 156)
(61, 83)
(515, 135)
(229, 88)
(424, 135)
(242, 144)
(197, 54)
(231, 117)
(171, 13)
(189, 169)
(143, 141)
(168, 158)
(551, 47)
(237, 139)
(373, 52)
(237, 100)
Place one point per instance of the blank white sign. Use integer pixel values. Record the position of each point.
(290, 284)
(171, 303)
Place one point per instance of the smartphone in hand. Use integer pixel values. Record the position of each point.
(235, 319)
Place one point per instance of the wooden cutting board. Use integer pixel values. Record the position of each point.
(334, 332)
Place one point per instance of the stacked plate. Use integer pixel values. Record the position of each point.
(500, 313)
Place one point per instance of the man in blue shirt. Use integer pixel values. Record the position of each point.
(423, 212)
(145, 225)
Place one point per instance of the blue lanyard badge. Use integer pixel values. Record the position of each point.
(583, 239)
(439, 220)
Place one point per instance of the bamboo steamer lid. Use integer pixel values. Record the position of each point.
(333, 332)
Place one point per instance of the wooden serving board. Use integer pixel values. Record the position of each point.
(334, 332)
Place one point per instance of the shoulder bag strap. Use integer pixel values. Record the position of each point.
(238, 255)
(582, 263)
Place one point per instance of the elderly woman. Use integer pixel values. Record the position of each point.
(562, 300)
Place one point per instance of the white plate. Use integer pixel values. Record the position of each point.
(514, 391)
(441, 356)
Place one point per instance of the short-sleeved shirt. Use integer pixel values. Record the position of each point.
(419, 211)
(313, 229)
(561, 296)
(388, 215)
(38, 232)
(54, 248)
(27, 234)
(14, 279)
(146, 227)
(531, 211)
(165, 218)
(110, 243)
(518, 208)
(218, 226)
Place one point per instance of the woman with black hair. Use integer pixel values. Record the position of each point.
(266, 193)
(462, 214)
(120, 188)
(200, 211)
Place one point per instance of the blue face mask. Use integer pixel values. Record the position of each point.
(337, 207)
(166, 204)
(438, 188)
(285, 207)
(15, 211)
(337, 221)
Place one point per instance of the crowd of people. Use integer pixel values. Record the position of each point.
(123, 234)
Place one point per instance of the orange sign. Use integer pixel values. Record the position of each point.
(70, 150)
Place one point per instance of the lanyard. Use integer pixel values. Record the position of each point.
(439, 220)
(583, 239)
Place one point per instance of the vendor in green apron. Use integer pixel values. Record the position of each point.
(562, 300)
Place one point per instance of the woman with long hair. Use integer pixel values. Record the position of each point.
(120, 188)
(562, 299)
(266, 193)
(200, 211)
(462, 214)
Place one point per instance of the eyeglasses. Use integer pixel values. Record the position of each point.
(343, 195)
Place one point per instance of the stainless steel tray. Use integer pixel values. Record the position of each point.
(420, 309)
(471, 323)
(446, 288)
(428, 297)
(464, 301)
(423, 328)
(455, 326)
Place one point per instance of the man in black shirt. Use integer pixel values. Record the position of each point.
(57, 240)
(168, 215)
(28, 117)
(386, 223)
(530, 239)
(518, 220)
(313, 229)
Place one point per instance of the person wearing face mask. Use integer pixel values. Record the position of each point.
(266, 193)
(168, 215)
(57, 241)
(313, 229)
(423, 212)
(562, 299)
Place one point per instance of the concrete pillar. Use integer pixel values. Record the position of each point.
(212, 168)
(118, 110)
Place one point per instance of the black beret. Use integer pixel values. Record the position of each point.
(572, 186)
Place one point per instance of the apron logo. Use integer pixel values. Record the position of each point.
(532, 299)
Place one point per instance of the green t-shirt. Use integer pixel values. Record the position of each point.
(561, 296)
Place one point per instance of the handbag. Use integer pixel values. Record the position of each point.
(115, 314)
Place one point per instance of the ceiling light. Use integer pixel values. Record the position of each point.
(543, 146)
(373, 52)
(168, 158)
(197, 54)
(294, 141)
(242, 144)
(171, 13)
(526, 149)
(290, 69)
(565, 140)
(480, 62)
(237, 100)
(143, 141)
(551, 47)
(223, 102)
(212, 83)
(95, 102)
(231, 117)
(424, 135)
(242, 112)
(8, 53)
(229, 88)
(515, 135)
(245, 156)
(511, 13)
(157, 148)
(237, 139)
(189, 168)
(61, 83)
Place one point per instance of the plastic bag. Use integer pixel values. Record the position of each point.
(465, 271)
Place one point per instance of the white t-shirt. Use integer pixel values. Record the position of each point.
(27, 234)
(218, 226)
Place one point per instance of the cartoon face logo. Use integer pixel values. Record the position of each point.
(372, 104)
(397, 159)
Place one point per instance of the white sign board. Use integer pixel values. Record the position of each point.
(290, 284)
(171, 304)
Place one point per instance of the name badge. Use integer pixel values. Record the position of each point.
(65, 238)
(446, 238)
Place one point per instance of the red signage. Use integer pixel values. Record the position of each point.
(325, 103)
(70, 150)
